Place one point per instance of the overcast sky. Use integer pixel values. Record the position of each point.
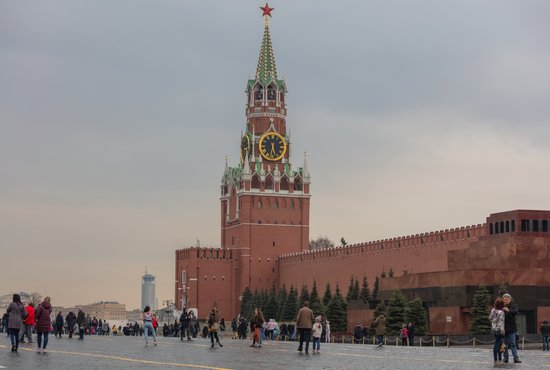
(116, 117)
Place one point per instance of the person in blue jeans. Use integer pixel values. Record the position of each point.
(510, 328)
(147, 318)
(497, 328)
(545, 332)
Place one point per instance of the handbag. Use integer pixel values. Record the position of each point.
(215, 326)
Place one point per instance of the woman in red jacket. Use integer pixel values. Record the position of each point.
(43, 324)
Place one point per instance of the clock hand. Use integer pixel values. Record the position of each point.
(272, 149)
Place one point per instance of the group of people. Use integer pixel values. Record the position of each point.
(504, 328)
(21, 321)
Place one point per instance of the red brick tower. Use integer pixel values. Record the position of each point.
(264, 200)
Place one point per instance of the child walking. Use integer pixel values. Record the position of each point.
(316, 332)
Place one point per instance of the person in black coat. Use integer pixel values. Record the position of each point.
(58, 329)
(71, 321)
(545, 332)
(411, 332)
(357, 333)
(510, 327)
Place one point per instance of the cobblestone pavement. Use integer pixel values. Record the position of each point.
(171, 353)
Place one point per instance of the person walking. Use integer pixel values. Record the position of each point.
(404, 335)
(379, 324)
(81, 321)
(58, 324)
(257, 324)
(316, 332)
(185, 324)
(17, 313)
(304, 323)
(28, 324)
(411, 332)
(147, 318)
(510, 328)
(497, 329)
(327, 330)
(234, 328)
(545, 332)
(214, 326)
(71, 321)
(43, 324)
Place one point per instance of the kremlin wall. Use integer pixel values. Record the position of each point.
(264, 224)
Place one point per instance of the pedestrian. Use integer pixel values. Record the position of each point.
(497, 329)
(58, 326)
(115, 330)
(243, 328)
(71, 321)
(17, 313)
(5, 319)
(327, 329)
(357, 333)
(404, 335)
(184, 322)
(270, 329)
(510, 328)
(304, 323)
(43, 324)
(214, 325)
(148, 328)
(545, 332)
(257, 324)
(234, 328)
(411, 332)
(28, 324)
(81, 321)
(379, 325)
(316, 332)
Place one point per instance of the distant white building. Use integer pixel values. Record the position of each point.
(148, 294)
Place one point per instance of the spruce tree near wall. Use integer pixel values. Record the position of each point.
(481, 324)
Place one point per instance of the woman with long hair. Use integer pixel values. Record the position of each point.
(43, 324)
(497, 329)
(258, 323)
(214, 325)
(17, 313)
(147, 318)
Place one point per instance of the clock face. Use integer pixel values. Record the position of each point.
(272, 146)
(245, 147)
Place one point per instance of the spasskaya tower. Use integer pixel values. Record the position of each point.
(264, 198)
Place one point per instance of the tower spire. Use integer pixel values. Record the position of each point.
(266, 70)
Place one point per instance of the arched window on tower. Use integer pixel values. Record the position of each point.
(269, 183)
(260, 203)
(284, 183)
(255, 181)
(271, 92)
(258, 92)
(298, 184)
(276, 204)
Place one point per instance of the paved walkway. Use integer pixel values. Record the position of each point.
(171, 353)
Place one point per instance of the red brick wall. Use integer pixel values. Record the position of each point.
(414, 254)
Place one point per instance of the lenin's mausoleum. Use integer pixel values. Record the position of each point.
(264, 215)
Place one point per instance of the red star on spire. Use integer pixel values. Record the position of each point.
(266, 10)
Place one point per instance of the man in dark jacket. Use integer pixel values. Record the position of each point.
(411, 332)
(545, 332)
(71, 320)
(184, 321)
(81, 321)
(510, 327)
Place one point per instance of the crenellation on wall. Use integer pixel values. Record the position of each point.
(396, 243)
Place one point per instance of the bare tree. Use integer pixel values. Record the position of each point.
(321, 242)
(35, 298)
